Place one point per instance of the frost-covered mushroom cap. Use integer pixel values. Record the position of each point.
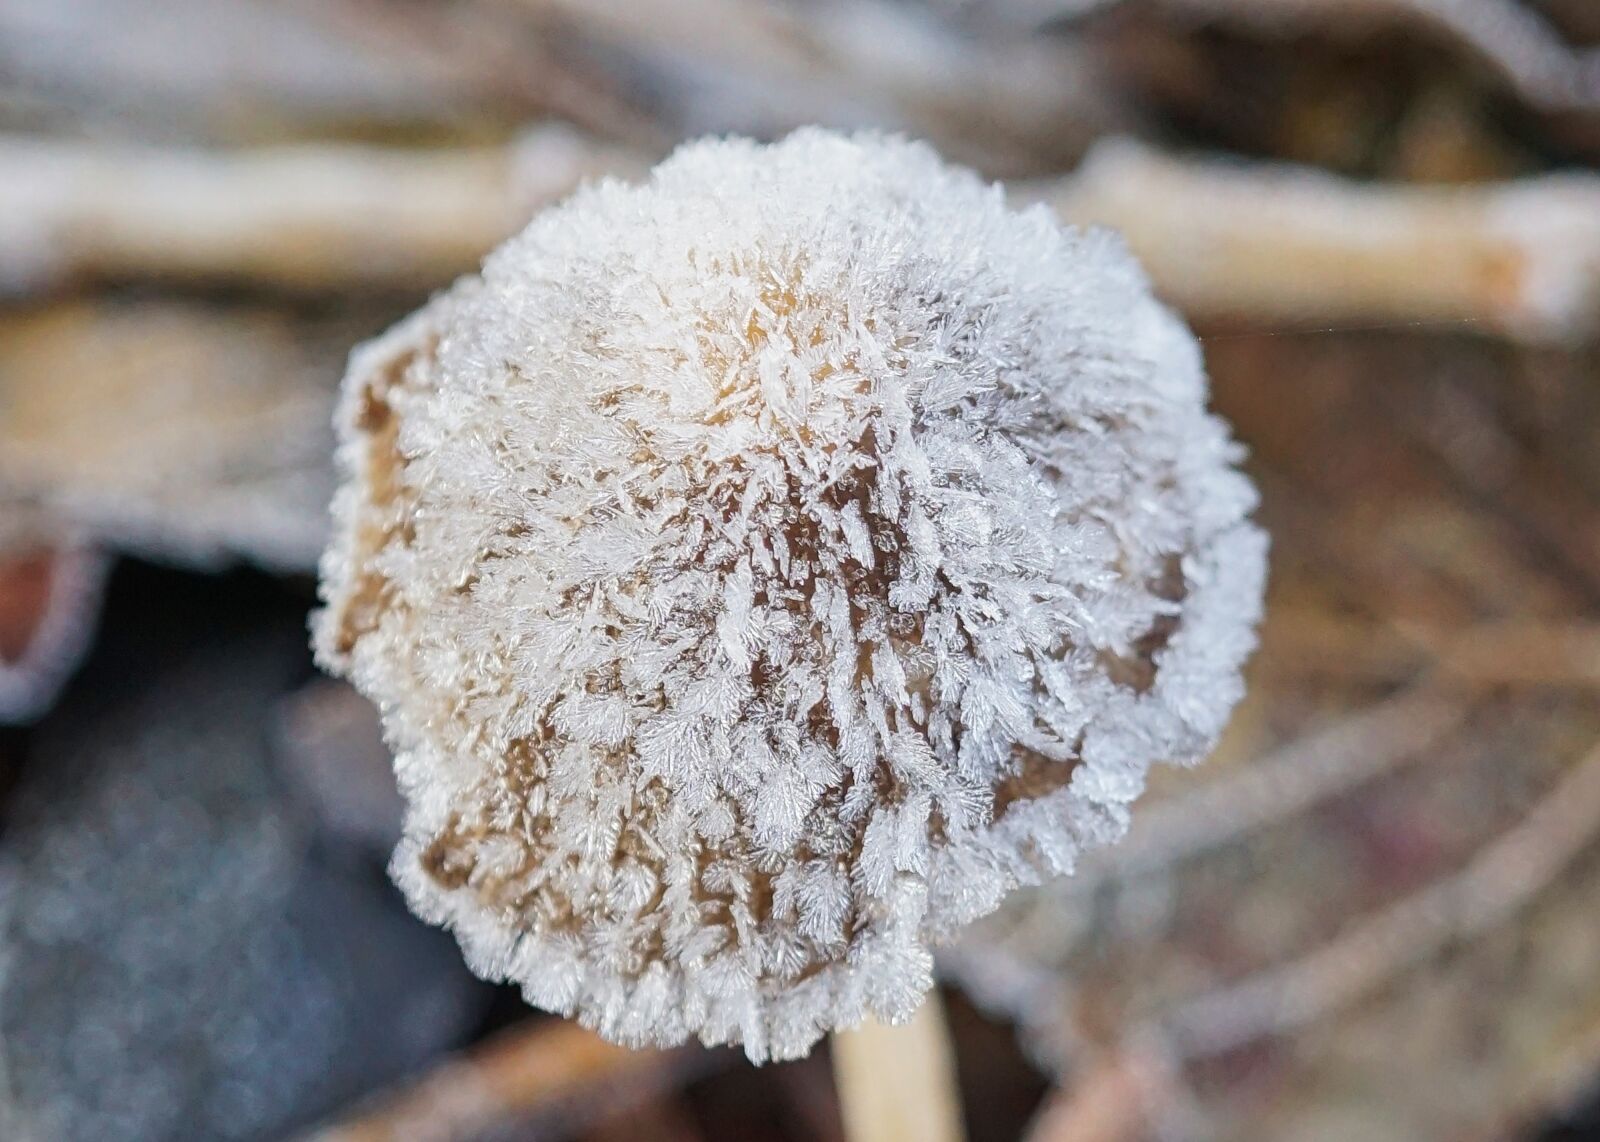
(764, 569)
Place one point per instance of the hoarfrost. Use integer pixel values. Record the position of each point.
(763, 570)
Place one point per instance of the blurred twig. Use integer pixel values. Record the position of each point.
(187, 433)
(1311, 769)
(303, 217)
(1520, 652)
(1562, 1078)
(1107, 1102)
(1293, 777)
(1517, 42)
(549, 1071)
(1007, 103)
(1499, 880)
(1278, 243)
(1544, 505)
(215, 69)
(511, 64)
(1265, 243)
(1513, 39)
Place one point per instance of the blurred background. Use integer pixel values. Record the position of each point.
(1374, 915)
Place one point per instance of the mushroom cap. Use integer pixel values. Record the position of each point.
(763, 569)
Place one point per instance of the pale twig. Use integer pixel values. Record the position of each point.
(1564, 1074)
(189, 434)
(214, 68)
(1109, 1101)
(1296, 776)
(1276, 243)
(1501, 879)
(306, 217)
(1009, 985)
(1511, 38)
(551, 1072)
(1506, 652)
(1309, 770)
(1264, 243)
(1005, 103)
(1521, 653)
(509, 67)
(1520, 45)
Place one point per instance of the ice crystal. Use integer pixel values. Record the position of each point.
(764, 569)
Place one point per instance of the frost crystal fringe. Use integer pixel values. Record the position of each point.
(765, 569)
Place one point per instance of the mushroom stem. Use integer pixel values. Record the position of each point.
(898, 1083)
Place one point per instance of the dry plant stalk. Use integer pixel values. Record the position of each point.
(1313, 768)
(1275, 243)
(1509, 652)
(1113, 1100)
(1499, 880)
(547, 1071)
(1005, 103)
(305, 217)
(188, 434)
(1516, 41)
(113, 66)
(1256, 242)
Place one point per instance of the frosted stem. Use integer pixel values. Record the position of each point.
(898, 1084)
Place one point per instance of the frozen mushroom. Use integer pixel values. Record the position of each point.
(764, 569)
